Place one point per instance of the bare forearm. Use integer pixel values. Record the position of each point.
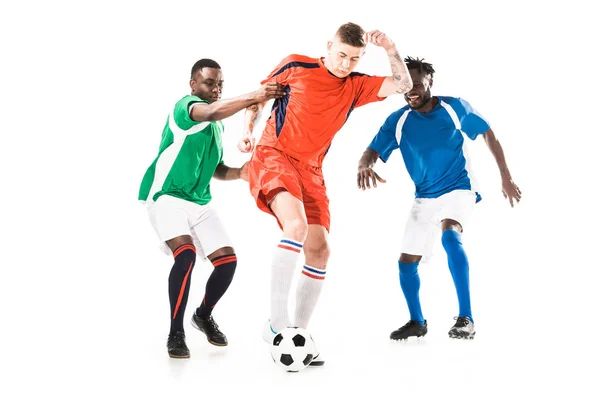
(226, 173)
(400, 72)
(497, 152)
(368, 159)
(252, 116)
(400, 81)
(223, 108)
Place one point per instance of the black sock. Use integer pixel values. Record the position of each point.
(217, 283)
(179, 283)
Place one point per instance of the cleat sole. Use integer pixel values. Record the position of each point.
(181, 357)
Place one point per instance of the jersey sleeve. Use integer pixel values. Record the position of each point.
(384, 143)
(471, 122)
(367, 88)
(281, 74)
(181, 113)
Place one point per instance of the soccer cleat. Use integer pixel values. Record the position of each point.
(317, 361)
(411, 328)
(268, 334)
(176, 345)
(462, 329)
(210, 329)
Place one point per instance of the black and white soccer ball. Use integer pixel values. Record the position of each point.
(293, 349)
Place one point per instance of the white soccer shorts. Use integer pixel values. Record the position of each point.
(425, 220)
(172, 217)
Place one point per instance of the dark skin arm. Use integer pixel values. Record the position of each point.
(366, 175)
(222, 109)
(226, 173)
(509, 189)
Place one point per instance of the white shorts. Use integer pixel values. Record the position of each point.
(424, 222)
(172, 217)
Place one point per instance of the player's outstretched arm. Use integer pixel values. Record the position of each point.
(365, 170)
(400, 81)
(222, 109)
(226, 173)
(509, 189)
(251, 118)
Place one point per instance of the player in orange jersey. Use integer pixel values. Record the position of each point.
(285, 168)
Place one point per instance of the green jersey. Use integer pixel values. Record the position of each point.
(188, 156)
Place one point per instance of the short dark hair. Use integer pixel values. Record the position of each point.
(204, 63)
(351, 34)
(420, 64)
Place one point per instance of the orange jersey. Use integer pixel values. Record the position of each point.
(316, 106)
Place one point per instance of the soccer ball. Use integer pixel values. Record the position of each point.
(293, 349)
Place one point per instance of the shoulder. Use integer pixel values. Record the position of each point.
(300, 59)
(394, 117)
(188, 100)
(295, 61)
(456, 102)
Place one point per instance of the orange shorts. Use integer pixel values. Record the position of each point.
(271, 171)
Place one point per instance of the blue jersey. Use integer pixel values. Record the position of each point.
(433, 145)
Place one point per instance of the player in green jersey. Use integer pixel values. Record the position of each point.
(176, 189)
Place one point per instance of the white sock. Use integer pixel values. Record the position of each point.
(307, 294)
(282, 272)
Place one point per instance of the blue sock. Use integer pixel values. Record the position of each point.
(410, 284)
(459, 268)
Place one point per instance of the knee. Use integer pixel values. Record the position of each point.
(409, 258)
(185, 254)
(318, 253)
(295, 229)
(450, 239)
(407, 269)
(223, 252)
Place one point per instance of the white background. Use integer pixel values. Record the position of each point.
(85, 90)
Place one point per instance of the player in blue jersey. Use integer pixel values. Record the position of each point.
(430, 133)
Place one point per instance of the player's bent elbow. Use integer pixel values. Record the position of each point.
(404, 86)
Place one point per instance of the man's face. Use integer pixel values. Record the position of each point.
(342, 58)
(420, 94)
(207, 84)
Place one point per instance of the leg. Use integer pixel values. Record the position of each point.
(169, 218)
(214, 241)
(316, 248)
(224, 262)
(416, 243)
(316, 251)
(459, 269)
(275, 184)
(456, 211)
(458, 264)
(411, 283)
(184, 253)
(290, 213)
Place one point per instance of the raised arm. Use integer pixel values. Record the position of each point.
(509, 189)
(222, 109)
(251, 118)
(365, 170)
(400, 81)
